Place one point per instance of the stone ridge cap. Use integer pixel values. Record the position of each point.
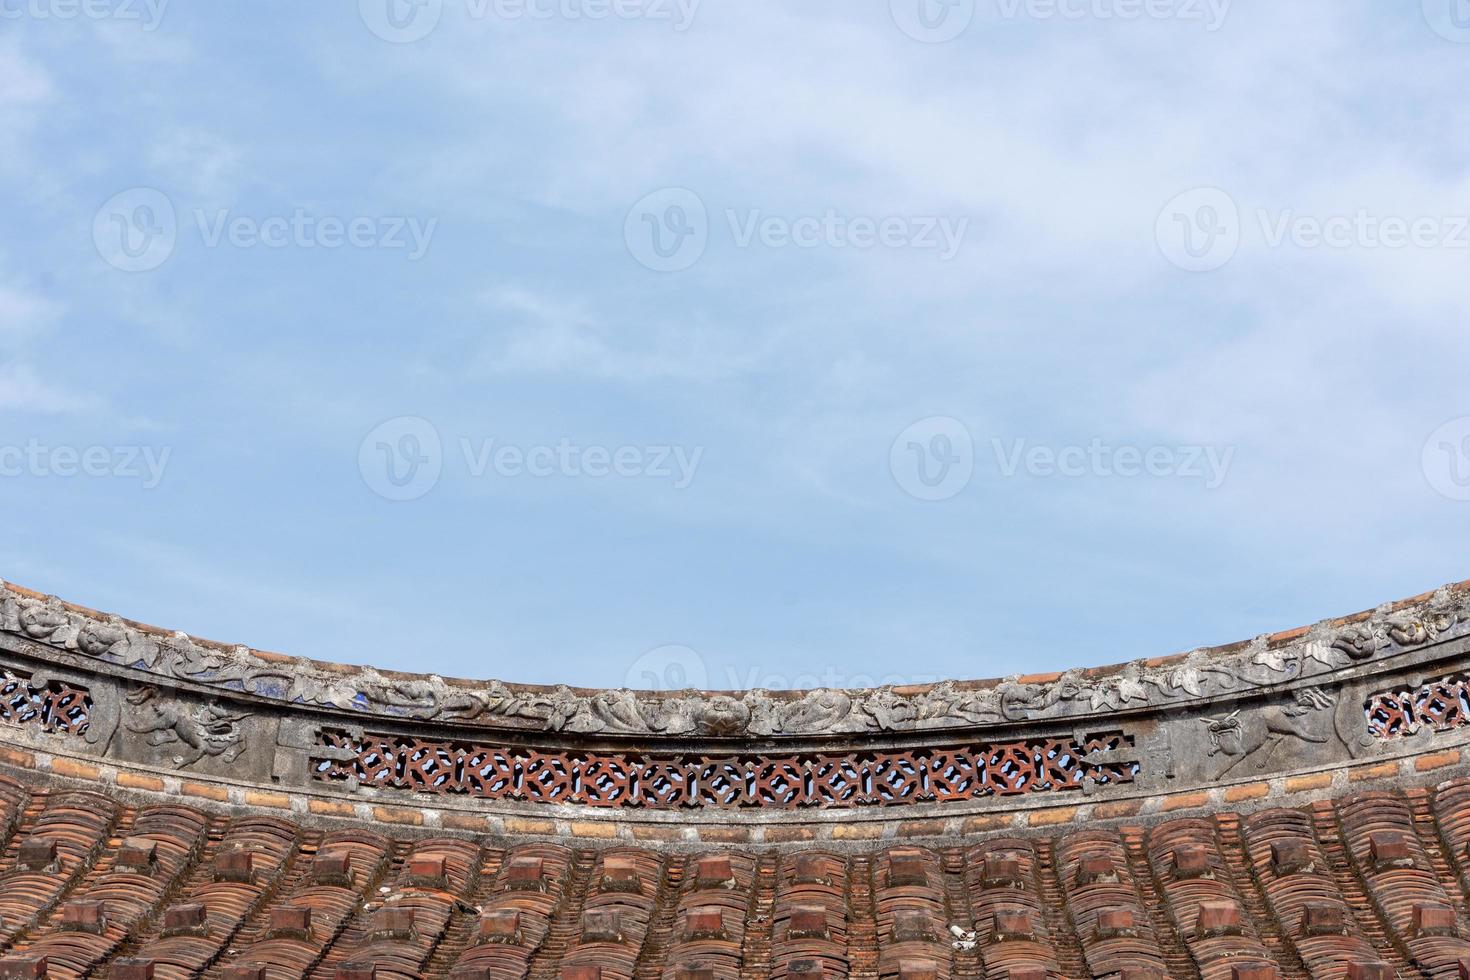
(1270, 641)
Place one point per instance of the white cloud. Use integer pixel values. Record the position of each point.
(203, 162)
(23, 315)
(22, 82)
(23, 390)
(537, 335)
(26, 316)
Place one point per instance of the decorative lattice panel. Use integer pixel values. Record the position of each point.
(1439, 706)
(52, 707)
(737, 781)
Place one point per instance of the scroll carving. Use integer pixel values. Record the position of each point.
(1194, 678)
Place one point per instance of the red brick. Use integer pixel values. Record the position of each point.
(1438, 760)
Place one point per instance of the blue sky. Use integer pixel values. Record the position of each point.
(748, 344)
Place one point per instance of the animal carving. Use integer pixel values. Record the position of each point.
(1260, 734)
(206, 730)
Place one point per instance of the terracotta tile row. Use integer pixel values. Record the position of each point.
(810, 931)
(1404, 889)
(345, 869)
(710, 918)
(58, 849)
(1372, 887)
(1315, 918)
(616, 914)
(1204, 905)
(1009, 912)
(197, 926)
(145, 865)
(914, 941)
(1106, 907)
(515, 919)
(399, 933)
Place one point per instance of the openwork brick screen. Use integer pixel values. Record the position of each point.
(53, 707)
(1439, 706)
(846, 780)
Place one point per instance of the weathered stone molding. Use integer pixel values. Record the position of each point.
(1200, 676)
(1309, 701)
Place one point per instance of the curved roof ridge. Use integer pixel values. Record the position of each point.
(1267, 659)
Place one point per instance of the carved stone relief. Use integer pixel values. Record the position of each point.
(1200, 676)
(1254, 737)
(192, 731)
